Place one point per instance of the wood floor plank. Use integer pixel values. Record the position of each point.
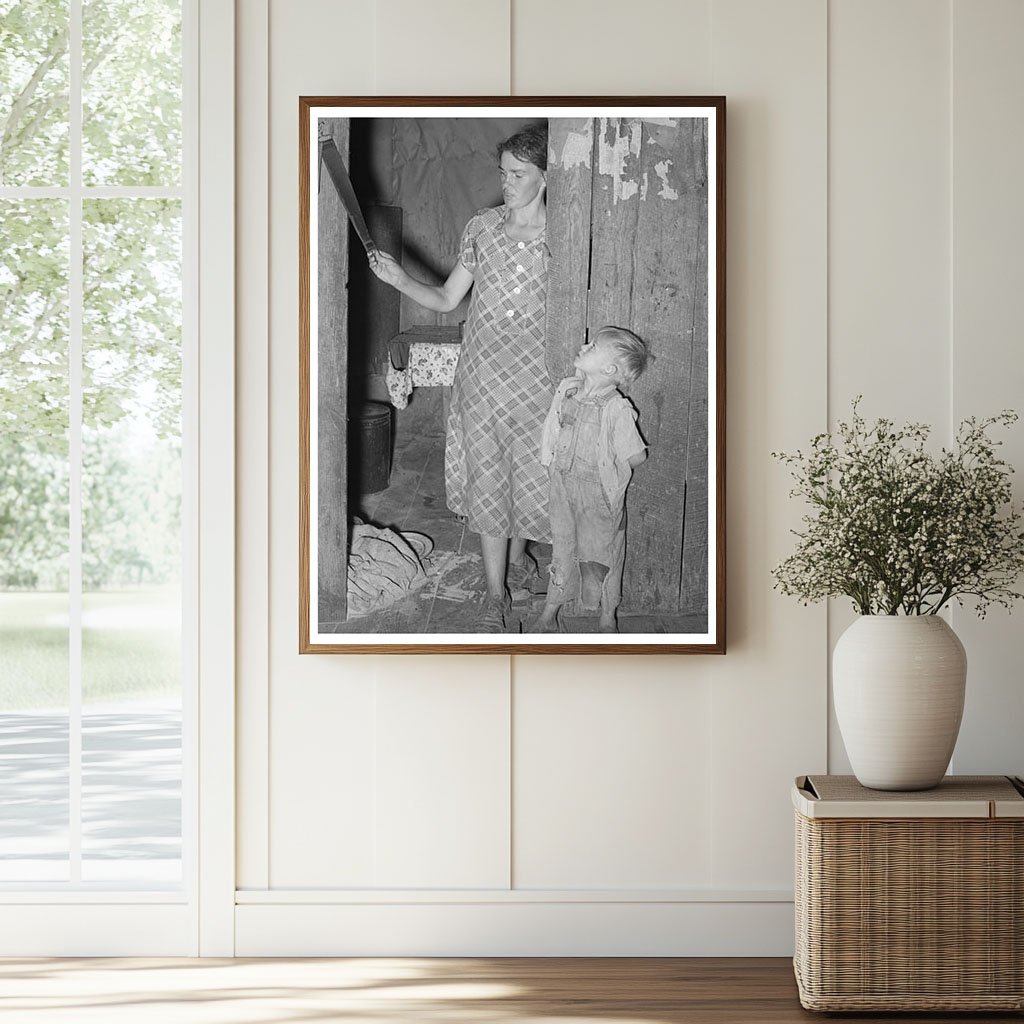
(414, 990)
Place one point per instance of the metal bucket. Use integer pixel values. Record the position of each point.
(370, 447)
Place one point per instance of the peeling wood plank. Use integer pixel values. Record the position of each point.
(332, 400)
(666, 291)
(569, 185)
(615, 248)
(615, 242)
(618, 156)
(569, 148)
(694, 595)
(647, 272)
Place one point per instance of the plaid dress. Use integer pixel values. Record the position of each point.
(502, 391)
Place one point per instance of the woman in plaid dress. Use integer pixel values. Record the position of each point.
(502, 391)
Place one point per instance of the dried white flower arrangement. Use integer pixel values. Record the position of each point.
(899, 530)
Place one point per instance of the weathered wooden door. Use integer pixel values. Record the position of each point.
(627, 229)
(332, 390)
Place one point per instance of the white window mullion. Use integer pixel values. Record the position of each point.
(190, 452)
(75, 297)
(34, 192)
(95, 191)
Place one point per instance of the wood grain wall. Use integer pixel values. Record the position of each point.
(332, 392)
(629, 227)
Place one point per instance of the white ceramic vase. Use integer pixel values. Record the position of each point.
(898, 684)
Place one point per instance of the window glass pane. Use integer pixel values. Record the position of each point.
(33, 540)
(131, 92)
(33, 92)
(131, 541)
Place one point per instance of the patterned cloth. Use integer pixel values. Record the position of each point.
(431, 365)
(399, 383)
(502, 391)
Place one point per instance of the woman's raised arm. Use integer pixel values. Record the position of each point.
(442, 298)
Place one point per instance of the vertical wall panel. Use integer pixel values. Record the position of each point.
(769, 691)
(320, 708)
(988, 329)
(323, 776)
(442, 774)
(612, 784)
(442, 48)
(888, 224)
(889, 208)
(579, 48)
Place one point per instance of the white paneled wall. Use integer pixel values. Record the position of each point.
(435, 48)
(987, 356)
(442, 797)
(619, 805)
(579, 48)
(888, 330)
(317, 821)
(768, 693)
(612, 775)
(889, 197)
(925, 218)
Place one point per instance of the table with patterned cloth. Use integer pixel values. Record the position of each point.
(422, 357)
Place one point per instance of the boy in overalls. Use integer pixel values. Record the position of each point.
(591, 445)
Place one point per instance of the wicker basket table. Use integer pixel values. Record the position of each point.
(910, 901)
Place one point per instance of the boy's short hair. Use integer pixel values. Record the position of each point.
(631, 350)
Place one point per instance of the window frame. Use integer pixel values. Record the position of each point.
(75, 918)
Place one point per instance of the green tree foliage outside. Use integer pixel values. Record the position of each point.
(131, 92)
(131, 302)
(34, 77)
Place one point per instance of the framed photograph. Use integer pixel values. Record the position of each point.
(512, 377)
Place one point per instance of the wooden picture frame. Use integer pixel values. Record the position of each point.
(634, 237)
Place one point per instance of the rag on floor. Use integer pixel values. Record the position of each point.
(383, 566)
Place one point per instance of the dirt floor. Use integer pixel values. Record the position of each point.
(414, 501)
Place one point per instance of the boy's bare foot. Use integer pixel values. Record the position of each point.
(546, 623)
(608, 624)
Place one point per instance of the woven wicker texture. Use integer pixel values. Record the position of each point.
(911, 914)
(959, 787)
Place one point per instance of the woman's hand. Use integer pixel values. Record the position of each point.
(442, 298)
(386, 267)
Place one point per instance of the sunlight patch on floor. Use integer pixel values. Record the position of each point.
(278, 991)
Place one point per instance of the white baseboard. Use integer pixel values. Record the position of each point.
(519, 928)
(97, 929)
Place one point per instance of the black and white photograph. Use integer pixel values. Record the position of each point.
(511, 348)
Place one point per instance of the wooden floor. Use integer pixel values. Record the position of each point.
(413, 991)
